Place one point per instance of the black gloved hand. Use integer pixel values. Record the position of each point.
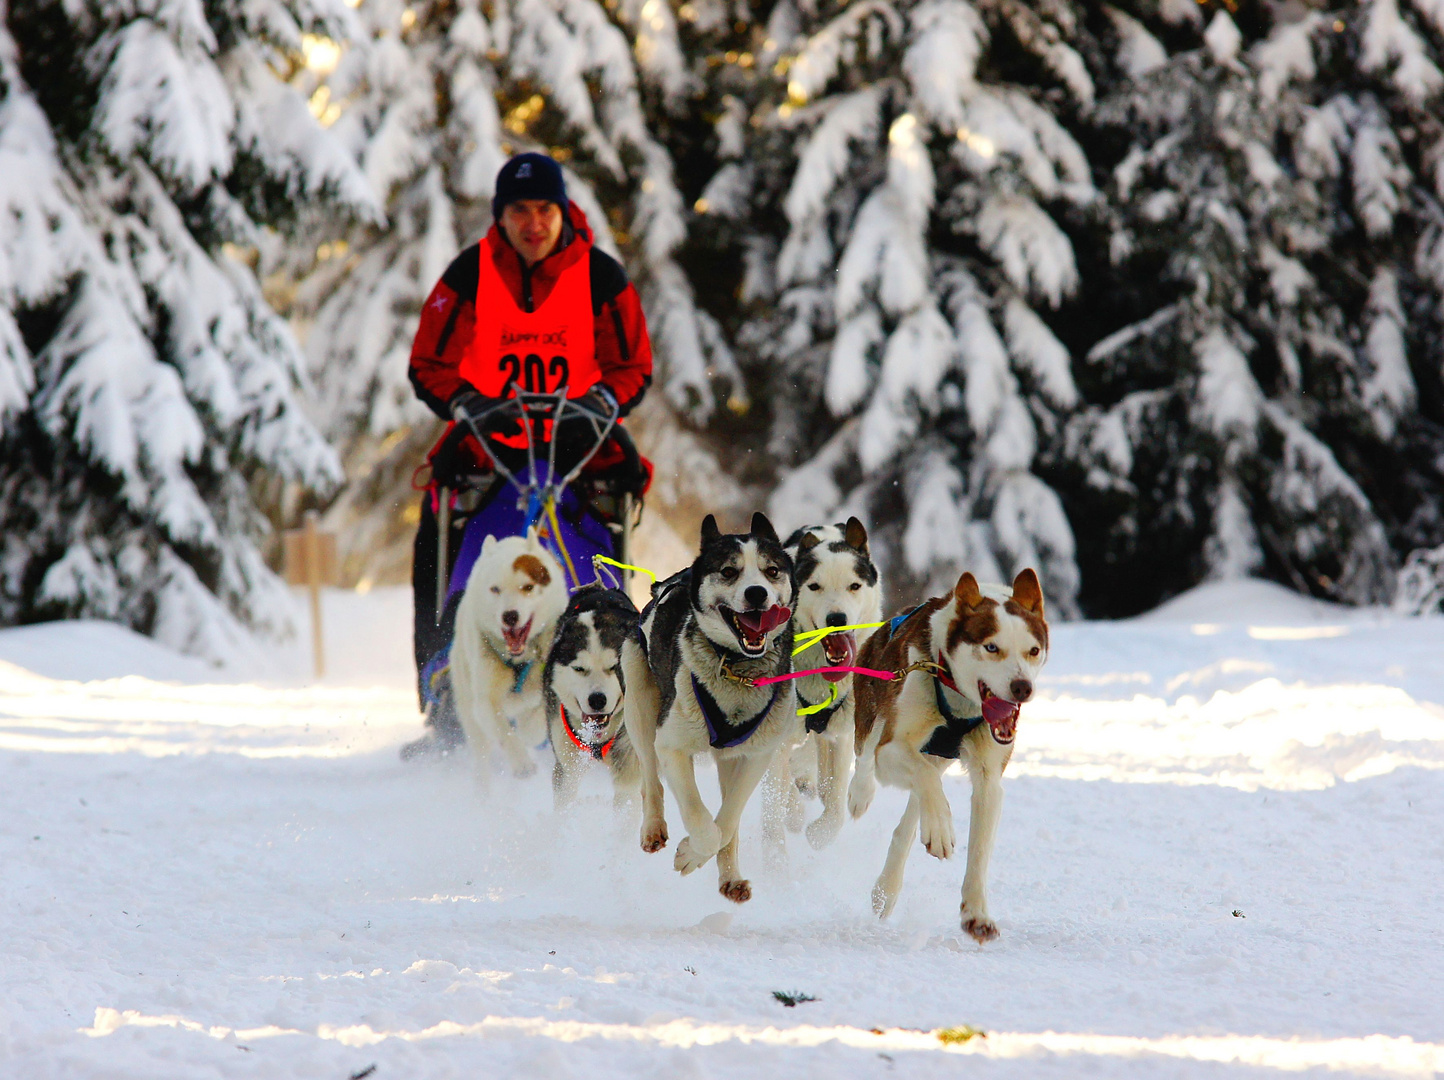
(470, 408)
(576, 435)
(600, 399)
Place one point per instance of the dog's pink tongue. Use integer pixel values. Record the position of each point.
(1002, 717)
(765, 621)
(841, 651)
(773, 617)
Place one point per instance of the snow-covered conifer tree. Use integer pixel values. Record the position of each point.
(893, 188)
(144, 381)
(1269, 398)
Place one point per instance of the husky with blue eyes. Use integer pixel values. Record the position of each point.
(710, 634)
(971, 659)
(584, 692)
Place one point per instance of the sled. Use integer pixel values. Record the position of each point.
(575, 518)
(551, 463)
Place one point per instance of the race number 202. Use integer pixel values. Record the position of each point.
(534, 375)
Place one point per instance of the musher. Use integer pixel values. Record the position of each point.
(538, 257)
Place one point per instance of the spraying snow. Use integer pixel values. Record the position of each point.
(1220, 855)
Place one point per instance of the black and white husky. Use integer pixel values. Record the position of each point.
(583, 689)
(837, 585)
(707, 632)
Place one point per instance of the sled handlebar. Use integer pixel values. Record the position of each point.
(529, 410)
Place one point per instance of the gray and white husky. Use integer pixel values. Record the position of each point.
(707, 632)
(584, 691)
(837, 585)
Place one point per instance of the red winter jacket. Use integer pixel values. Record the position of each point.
(624, 352)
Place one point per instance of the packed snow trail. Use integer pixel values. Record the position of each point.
(241, 879)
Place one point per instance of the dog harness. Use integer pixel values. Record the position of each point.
(721, 732)
(946, 741)
(599, 751)
(519, 672)
(660, 591)
(435, 676)
(816, 722)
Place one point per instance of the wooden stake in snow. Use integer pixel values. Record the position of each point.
(311, 561)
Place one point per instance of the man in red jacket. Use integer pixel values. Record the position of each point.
(536, 275)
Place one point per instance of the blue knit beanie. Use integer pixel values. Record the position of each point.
(529, 176)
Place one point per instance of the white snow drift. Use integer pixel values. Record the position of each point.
(1220, 855)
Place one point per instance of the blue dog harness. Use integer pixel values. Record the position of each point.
(721, 732)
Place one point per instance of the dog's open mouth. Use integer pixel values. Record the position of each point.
(593, 728)
(840, 650)
(516, 637)
(1001, 715)
(752, 627)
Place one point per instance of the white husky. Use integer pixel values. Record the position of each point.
(504, 623)
(837, 585)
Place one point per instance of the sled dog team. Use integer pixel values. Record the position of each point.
(708, 668)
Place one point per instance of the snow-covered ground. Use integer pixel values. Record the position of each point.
(1222, 854)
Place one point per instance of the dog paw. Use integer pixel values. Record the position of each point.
(823, 831)
(690, 855)
(884, 899)
(654, 837)
(980, 929)
(859, 794)
(937, 834)
(739, 892)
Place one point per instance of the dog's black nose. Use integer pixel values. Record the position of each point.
(1021, 689)
(597, 700)
(508, 618)
(836, 618)
(756, 595)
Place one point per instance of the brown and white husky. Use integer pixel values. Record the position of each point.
(974, 655)
(504, 626)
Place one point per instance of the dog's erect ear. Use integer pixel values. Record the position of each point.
(710, 532)
(966, 590)
(855, 535)
(808, 542)
(762, 528)
(1027, 593)
(488, 543)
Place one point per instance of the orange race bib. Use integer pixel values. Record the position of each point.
(538, 351)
